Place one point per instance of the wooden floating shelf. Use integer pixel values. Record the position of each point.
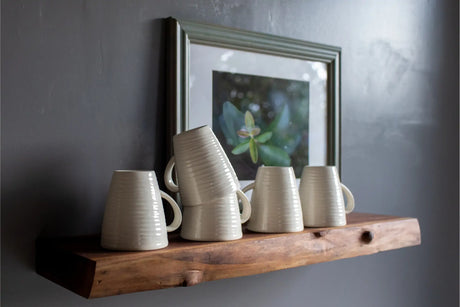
(82, 266)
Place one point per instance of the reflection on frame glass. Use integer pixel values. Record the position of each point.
(270, 100)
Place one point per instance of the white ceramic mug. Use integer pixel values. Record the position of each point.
(275, 201)
(203, 169)
(321, 194)
(206, 180)
(134, 216)
(218, 219)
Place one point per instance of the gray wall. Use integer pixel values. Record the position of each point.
(83, 94)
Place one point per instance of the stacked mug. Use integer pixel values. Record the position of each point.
(208, 187)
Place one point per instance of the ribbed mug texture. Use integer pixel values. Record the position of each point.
(203, 169)
(208, 187)
(275, 201)
(134, 217)
(321, 196)
(216, 220)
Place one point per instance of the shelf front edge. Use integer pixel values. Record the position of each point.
(251, 255)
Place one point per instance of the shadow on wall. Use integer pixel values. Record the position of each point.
(154, 96)
(64, 193)
(47, 201)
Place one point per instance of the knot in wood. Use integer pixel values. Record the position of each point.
(192, 277)
(319, 234)
(367, 237)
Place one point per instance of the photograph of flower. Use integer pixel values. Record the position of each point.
(261, 121)
(270, 100)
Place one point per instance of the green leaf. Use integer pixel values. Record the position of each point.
(255, 131)
(242, 133)
(230, 121)
(240, 148)
(289, 142)
(281, 120)
(284, 136)
(253, 151)
(264, 137)
(274, 156)
(249, 120)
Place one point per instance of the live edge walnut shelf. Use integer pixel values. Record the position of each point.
(80, 265)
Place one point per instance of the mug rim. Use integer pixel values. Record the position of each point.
(271, 166)
(132, 171)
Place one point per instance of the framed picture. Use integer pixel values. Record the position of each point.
(270, 100)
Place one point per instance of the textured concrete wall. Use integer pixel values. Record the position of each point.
(83, 94)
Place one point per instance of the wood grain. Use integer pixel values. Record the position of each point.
(80, 265)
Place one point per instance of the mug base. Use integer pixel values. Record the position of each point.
(285, 230)
(131, 248)
(209, 238)
(319, 225)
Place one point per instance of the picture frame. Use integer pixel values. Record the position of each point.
(201, 79)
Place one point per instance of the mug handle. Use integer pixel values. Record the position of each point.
(249, 187)
(169, 182)
(350, 199)
(176, 210)
(246, 214)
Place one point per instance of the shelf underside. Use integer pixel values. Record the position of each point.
(82, 266)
